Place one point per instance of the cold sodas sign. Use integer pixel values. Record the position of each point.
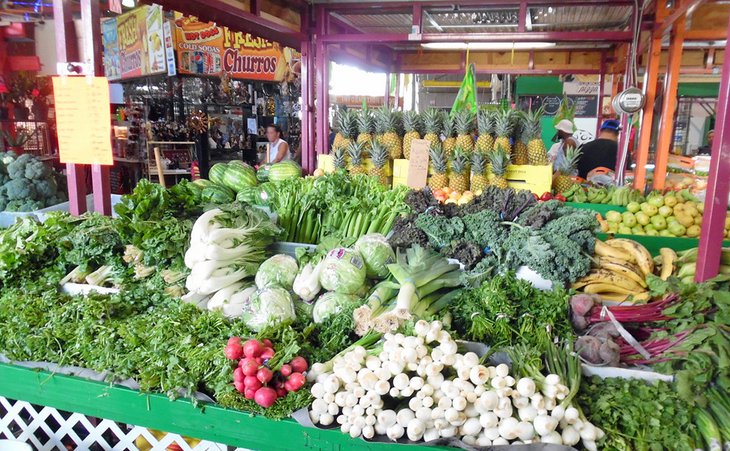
(205, 49)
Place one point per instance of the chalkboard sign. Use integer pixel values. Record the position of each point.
(551, 105)
(585, 106)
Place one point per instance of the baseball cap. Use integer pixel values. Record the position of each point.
(565, 126)
(611, 124)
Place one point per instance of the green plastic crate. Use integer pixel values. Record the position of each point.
(598, 208)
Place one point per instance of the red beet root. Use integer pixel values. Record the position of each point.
(233, 351)
(264, 375)
(265, 397)
(299, 365)
(286, 370)
(252, 348)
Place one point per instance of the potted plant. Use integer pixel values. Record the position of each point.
(15, 142)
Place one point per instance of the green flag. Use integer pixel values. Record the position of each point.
(467, 96)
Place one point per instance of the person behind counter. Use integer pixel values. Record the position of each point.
(707, 149)
(602, 151)
(278, 148)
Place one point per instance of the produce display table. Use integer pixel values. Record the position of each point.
(234, 428)
(654, 243)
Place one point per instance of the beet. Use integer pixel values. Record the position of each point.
(588, 348)
(610, 353)
(582, 303)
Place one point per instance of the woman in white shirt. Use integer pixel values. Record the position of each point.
(278, 148)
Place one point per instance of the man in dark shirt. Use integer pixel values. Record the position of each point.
(602, 151)
(707, 149)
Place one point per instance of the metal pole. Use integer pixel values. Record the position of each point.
(625, 136)
(397, 91)
(669, 104)
(91, 26)
(718, 186)
(67, 51)
(650, 91)
(386, 100)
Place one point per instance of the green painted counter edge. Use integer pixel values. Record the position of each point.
(230, 427)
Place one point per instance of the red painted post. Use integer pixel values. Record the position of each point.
(67, 51)
(417, 18)
(322, 69)
(307, 79)
(91, 26)
(669, 104)
(718, 186)
(522, 19)
(601, 83)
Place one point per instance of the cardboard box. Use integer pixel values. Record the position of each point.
(538, 179)
(398, 181)
(368, 164)
(400, 168)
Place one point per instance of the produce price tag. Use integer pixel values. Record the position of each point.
(84, 120)
(418, 164)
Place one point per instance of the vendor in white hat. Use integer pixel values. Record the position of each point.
(562, 139)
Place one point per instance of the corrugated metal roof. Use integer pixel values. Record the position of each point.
(493, 20)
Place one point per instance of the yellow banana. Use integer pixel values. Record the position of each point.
(626, 269)
(604, 276)
(669, 262)
(641, 256)
(606, 288)
(604, 250)
(637, 298)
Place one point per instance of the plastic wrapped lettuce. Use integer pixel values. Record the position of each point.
(329, 304)
(343, 271)
(377, 254)
(278, 271)
(268, 307)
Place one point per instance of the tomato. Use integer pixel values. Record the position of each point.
(546, 196)
(560, 197)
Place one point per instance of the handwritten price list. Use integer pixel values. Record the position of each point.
(83, 120)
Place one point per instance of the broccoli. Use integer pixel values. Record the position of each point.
(3, 203)
(4, 179)
(7, 157)
(45, 188)
(16, 168)
(23, 205)
(18, 189)
(37, 170)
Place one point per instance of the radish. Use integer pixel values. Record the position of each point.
(295, 382)
(240, 386)
(249, 366)
(267, 353)
(264, 375)
(267, 343)
(238, 375)
(252, 348)
(299, 365)
(234, 340)
(252, 383)
(249, 393)
(265, 397)
(233, 351)
(285, 370)
(281, 392)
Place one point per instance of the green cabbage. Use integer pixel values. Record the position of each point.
(343, 271)
(329, 304)
(268, 307)
(278, 271)
(377, 254)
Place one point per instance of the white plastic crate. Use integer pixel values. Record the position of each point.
(7, 218)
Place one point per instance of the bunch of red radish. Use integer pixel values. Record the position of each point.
(253, 377)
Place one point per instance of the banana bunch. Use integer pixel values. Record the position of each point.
(619, 271)
(683, 265)
(610, 196)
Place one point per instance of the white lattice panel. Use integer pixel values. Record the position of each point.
(46, 428)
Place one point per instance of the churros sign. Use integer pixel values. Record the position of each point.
(206, 49)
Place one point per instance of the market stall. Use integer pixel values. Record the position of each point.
(435, 282)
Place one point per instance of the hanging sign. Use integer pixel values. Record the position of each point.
(83, 120)
(206, 49)
(133, 44)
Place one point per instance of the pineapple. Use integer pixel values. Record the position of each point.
(563, 180)
(459, 178)
(519, 156)
(387, 127)
(347, 127)
(536, 152)
(438, 178)
(499, 160)
(339, 158)
(336, 119)
(432, 124)
(450, 141)
(365, 127)
(464, 124)
(354, 151)
(412, 125)
(478, 171)
(485, 142)
(503, 129)
(379, 154)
